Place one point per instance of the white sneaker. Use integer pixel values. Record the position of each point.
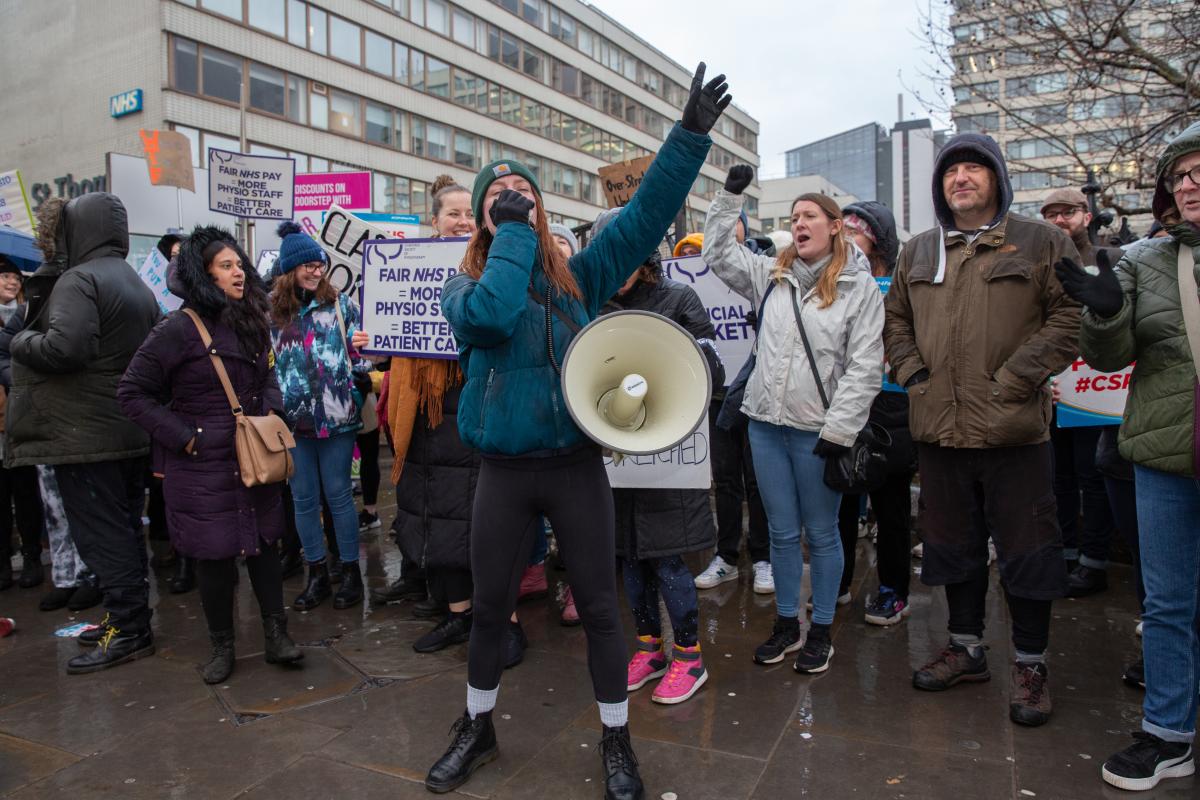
(718, 572)
(1138, 629)
(919, 550)
(764, 578)
(842, 600)
(991, 552)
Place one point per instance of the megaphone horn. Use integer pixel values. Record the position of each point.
(636, 382)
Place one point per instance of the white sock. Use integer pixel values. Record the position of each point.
(480, 701)
(1031, 658)
(974, 644)
(614, 715)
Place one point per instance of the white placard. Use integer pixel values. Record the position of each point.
(402, 283)
(14, 204)
(258, 187)
(726, 309)
(153, 273)
(266, 262)
(684, 466)
(342, 236)
(1090, 397)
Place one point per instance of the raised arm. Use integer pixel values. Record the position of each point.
(744, 272)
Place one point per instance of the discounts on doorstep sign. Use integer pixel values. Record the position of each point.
(258, 187)
(402, 283)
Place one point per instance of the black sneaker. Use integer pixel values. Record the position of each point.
(430, 608)
(454, 629)
(86, 595)
(1147, 761)
(56, 598)
(816, 652)
(401, 589)
(113, 648)
(1083, 581)
(515, 643)
(784, 639)
(621, 778)
(953, 665)
(473, 745)
(1135, 674)
(367, 520)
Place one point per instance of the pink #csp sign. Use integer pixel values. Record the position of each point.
(317, 191)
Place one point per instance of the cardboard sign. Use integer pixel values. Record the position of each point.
(726, 309)
(14, 202)
(153, 273)
(684, 466)
(258, 187)
(402, 283)
(621, 180)
(1090, 397)
(168, 158)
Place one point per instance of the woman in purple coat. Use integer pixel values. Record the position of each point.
(172, 390)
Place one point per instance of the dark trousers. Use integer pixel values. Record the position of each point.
(1123, 500)
(19, 487)
(669, 578)
(968, 606)
(368, 471)
(573, 492)
(450, 585)
(892, 505)
(102, 500)
(734, 482)
(218, 580)
(156, 509)
(1079, 490)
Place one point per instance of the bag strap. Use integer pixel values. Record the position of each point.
(218, 365)
(1189, 300)
(812, 362)
(762, 305)
(563, 317)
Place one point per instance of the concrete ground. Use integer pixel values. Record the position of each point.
(366, 716)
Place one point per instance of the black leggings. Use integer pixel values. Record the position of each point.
(368, 473)
(19, 487)
(218, 585)
(968, 604)
(892, 504)
(572, 491)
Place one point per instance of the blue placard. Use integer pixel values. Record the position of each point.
(125, 103)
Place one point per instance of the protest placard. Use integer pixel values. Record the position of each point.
(402, 292)
(727, 310)
(168, 159)
(684, 466)
(153, 273)
(266, 262)
(259, 187)
(621, 180)
(317, 192)
(342, 236)
(1090, 397)
(14, 202)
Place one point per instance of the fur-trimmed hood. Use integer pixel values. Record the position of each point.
(188, 279)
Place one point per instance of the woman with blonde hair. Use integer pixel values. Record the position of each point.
(820, 281)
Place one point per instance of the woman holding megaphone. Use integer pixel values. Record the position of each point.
(514, 309)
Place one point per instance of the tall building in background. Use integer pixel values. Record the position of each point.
(407, 89)
(857, 160)
(914, 146)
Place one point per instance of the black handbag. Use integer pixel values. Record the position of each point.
(864, 467)
(730, 417)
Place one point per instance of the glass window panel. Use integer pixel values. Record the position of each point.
(510, 51)
(570, 131)
(494, 101)
(403, 196)
(266, 89)
(379, 127)
(418, 194)
(532, 63)
(344, 114)
(437, 17)
(187, 70)
(319, 164)
(464, 28)
(464, 88)
(531, 118)
(301, 161)
(319, 105)
(493, 44)
(418, 71)
(513, 6)
(263, 150)
(229, 8)
(345, 40)
(437, 77)
(437, 141)
(401, 7)
(401, 68)
(531, 10)
(481, 37)
(317, 23)
(211, 140)
(222, 75)
(418, 12)
(297, 23)
(398, 129)
(297, 100)
(466, 151)
(510, 107)
(267, 15)
(379, 53)
(417, 129)
(382, 193)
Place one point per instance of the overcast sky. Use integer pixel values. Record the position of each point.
(804, 69)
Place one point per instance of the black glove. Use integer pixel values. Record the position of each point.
(1101, 293)
(511, 206)
(705, 103)
(827, 449)
(920, 376)
(739, 178)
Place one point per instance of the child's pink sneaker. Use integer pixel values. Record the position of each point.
(685, 676)
(648, 663)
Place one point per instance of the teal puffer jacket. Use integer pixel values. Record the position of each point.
(1160, 415)
(512, 401)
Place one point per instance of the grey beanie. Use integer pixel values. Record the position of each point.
(603, 219)
(558, 229)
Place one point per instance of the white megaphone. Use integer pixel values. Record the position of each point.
(636, 382)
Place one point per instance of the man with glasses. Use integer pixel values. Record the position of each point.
(1078, 484)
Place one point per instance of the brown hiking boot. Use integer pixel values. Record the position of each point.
(952, 666)
(1030, 700)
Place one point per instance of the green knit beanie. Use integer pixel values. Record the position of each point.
(494, 170)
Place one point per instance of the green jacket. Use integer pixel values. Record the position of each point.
(1160, 416)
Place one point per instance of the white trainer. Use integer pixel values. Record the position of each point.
(918, 550)
(718, 572)
(764, 578)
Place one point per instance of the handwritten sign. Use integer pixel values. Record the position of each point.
(153, 273)
(726, 309)
(168, 159)
(1091, 397)
(402, 283)
(684, 466)
(620, 181)
(259, 187)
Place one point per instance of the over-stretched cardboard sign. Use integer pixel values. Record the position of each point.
(621, 180)
(168, 158)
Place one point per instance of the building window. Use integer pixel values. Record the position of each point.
(418, 12)
(228, 8)
(510, 107)
(345, 40)
(222, 75)
(344, 114)
(532, 11)
(464, 28)
(418, 71)
(379, 53)
(297, 24)
(186, 67)
(317, 37)
(297, 100)
(401, 68)
(318, 103)
(437, 17)
(379, 127)
(437, 81)
(466, 151)
(266, 89)
(430, 140)
(266, 15)
(532, 64)
(510, 51)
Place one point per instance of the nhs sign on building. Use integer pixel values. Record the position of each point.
(125, 103)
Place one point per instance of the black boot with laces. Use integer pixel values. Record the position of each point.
(621, 778)
(473, 745)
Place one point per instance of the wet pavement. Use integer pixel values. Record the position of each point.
(366, 716)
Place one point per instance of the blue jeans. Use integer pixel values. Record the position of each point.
(650, 578)
(1167, 508)
(325, 464)
(791, 479)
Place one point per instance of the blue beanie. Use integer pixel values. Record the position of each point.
(296, 248)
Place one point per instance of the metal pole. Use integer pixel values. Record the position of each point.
(243, 222)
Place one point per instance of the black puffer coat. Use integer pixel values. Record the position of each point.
(436, 492)
(86, 319)
(656, 523)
